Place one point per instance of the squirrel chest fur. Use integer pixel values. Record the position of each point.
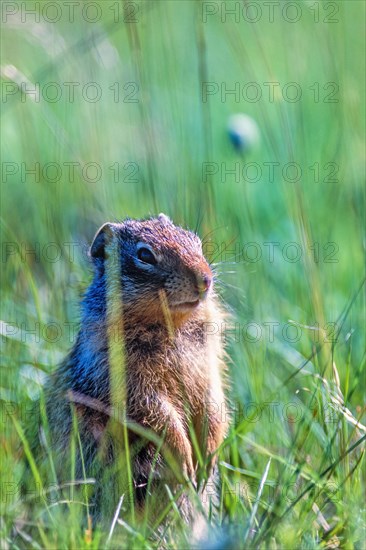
(154, 275)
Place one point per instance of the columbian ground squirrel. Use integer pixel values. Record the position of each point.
(148, 349)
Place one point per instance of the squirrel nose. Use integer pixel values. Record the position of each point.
(203, 283)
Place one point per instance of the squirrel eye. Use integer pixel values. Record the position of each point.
(145, 255)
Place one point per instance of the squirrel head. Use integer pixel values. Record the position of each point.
(161, 267)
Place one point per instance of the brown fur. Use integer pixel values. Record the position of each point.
(179, 383)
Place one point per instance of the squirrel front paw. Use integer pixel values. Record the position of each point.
(188, 469)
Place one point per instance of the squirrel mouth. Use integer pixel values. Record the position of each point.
(185, 306)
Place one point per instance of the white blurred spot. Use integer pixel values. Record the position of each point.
(243, 131)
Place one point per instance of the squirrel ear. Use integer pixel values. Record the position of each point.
(101, 239)
(164, 219)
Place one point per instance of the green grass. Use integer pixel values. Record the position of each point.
(291, 466)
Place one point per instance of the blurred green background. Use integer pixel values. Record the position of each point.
(120, 125)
